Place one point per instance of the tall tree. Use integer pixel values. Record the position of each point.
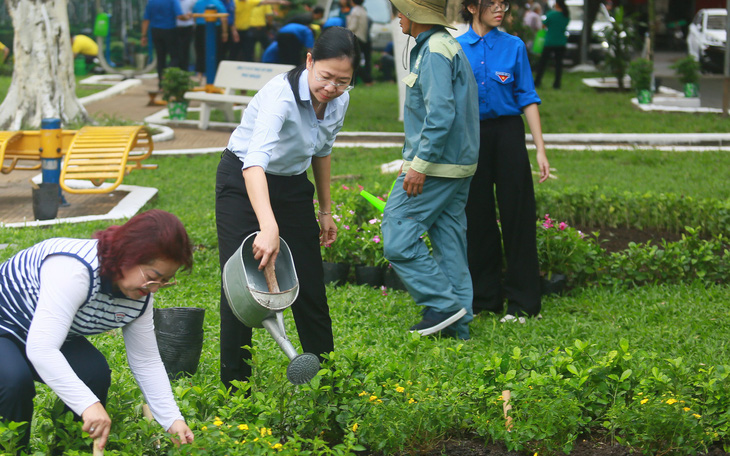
(43, 83)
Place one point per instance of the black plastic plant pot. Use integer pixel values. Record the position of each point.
(45, 201)
(369, 275)
(392, 280)
(554, 285)
(179, 333)
(335, 273)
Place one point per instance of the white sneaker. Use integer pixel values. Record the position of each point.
(512, 319)
(509, 318)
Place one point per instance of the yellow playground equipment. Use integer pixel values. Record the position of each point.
(97, 154)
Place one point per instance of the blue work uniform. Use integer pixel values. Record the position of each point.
(502, 72)
(162, 14)
(441, 141)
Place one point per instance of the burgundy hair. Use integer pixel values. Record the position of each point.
(146, 237)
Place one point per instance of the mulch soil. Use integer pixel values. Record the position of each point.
(618, 239)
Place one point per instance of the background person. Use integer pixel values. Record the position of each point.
(6, 52)
(160, 18)
(221, 34)
(359, 22)
(293, 41)
(262, 185)
(59, 290)
(440, 156)
(502, 71)
(556, 21)
(84, 46)
(185, 30)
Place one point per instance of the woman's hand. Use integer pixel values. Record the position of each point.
(97, 423)
(327, 230)
(182, 431)
(542, 162)
(266, 246)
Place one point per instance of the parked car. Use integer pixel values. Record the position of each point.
(597, 44)
(380, 14)
(707, 38)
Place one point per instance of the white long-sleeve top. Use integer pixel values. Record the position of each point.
(71, 300)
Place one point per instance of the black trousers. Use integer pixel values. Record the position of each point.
(504, 168)
(17, 377)
(366, 61)
(558, 52)
(291, 50)
(165, 43)
(184, 40)
(200, 35)
(291, 199)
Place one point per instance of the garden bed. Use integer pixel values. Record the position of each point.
(618, 239)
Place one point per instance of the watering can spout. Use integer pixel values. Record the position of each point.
(302, 368)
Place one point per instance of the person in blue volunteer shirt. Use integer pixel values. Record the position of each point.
(160, 18)
(221, 33)
(506, 91)
(262, 185)
(293, 42)
(439, 158)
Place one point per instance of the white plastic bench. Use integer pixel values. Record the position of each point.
(231, 76)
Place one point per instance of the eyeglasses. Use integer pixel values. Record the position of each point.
(341, 86)
(155, 283)
(496, 7)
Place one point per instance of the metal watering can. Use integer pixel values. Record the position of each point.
(258, 299)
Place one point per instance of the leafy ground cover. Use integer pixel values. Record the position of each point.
(606, 370)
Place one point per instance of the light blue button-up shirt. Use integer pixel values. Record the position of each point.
(280, 135)
(441, 118)
(502, 70)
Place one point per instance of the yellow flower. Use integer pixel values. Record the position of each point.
(380, 401)
(409, 383)
(697, 416)
(411, 401)
(277, 446)
(243, 427)
(644, 401)
(264, 431)
(217, 422)
(686, 409)
(256, 439)
(671, 401)
(400, 389)
(363, 394)
(500, 398)
(204, 428)
(354, 427)
(372, 398)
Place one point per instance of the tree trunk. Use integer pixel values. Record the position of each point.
(43, 83)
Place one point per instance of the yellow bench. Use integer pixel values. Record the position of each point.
(99, 154)
(19, 147)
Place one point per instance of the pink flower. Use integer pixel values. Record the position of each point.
(562, 226)
(360, 187)
(347, 227)
(373, 221)
(383, 290)
(376, 239)
(351, 212)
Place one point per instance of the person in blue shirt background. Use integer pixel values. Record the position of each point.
(160, 18)
(294, 40)
(506, 90)
(221, 34)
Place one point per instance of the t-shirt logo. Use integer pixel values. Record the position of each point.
(119, 316)
(502, 76)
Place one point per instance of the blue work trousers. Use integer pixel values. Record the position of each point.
(440, 281)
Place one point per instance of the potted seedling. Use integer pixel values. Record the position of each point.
(688, 73)
(175, 82)
(641, 72)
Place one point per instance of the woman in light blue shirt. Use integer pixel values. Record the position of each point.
(506, 91)
(262, 185)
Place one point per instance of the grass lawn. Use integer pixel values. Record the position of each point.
(586, 367)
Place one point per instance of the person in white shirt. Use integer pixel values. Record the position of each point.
(59, 290)
(262, 185)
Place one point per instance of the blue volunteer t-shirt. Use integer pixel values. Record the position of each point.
(162, 14)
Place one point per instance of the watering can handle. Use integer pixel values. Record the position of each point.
(270, 274)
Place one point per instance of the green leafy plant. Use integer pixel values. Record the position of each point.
(641, 72)
(687, 70)
(564, 249)
(622, 41)
(175, 82)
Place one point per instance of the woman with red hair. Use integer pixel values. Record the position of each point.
(55, 292)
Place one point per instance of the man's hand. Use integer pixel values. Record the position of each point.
(413, 182)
